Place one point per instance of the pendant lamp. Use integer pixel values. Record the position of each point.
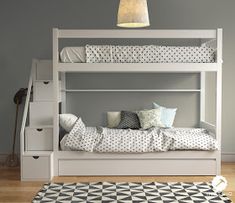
(133, 14)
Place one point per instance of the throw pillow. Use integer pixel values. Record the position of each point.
(167, 115)
(129, 120)
(113, 119)
(150, 118)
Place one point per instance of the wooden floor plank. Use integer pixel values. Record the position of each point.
(14, 191)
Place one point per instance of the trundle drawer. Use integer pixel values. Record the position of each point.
(44, 70)
(41, 113)
(136, 167)
(39, 139)
(37, 167)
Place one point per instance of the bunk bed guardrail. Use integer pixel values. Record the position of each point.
(211, 37)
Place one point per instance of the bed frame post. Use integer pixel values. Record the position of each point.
(202, 96)
(63, 93)
(219, 97)
(56, 98)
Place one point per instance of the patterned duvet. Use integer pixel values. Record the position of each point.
(99, 139)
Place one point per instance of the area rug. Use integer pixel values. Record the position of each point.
(123, 192)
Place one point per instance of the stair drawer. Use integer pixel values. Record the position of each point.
(37, 167)
(39, 139)
(43, 91)
(41, 113)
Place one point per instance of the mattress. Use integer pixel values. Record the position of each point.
(137, 54)
(106, 140)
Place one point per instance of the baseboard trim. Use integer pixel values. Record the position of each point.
(228, 156)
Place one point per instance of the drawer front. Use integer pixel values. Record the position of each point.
(36, 167)
(39, 139)
(136, 167)
(41, 113)
(44, 70)
(43, 91)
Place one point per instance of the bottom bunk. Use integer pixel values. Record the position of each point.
(73, 163)
(101, 151)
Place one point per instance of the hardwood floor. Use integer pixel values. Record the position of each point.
(13, 190)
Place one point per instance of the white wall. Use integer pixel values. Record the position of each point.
(26, 33)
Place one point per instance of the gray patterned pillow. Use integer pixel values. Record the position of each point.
(150, 118)
(129, 120)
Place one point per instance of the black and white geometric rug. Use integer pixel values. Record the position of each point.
(109, 192)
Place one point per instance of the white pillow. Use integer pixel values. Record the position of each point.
(67, 121)
(113, 119)
(73, 55)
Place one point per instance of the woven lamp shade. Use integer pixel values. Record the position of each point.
(133, 14)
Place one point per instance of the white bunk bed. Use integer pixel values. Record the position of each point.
(72, 163)
(167, 163)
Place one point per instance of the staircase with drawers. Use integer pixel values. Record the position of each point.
(37, 136)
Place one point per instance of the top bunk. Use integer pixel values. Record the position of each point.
(207, 56)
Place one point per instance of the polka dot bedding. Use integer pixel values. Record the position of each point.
(149, 54)
(99, 139)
